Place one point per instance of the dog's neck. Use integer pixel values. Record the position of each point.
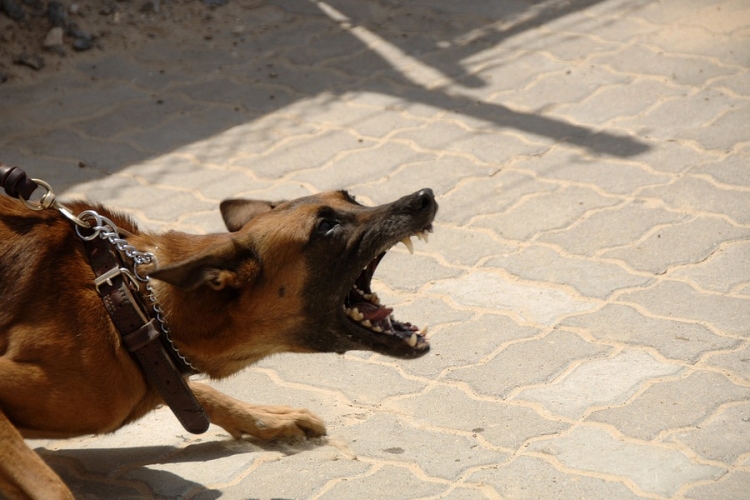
(200, 328)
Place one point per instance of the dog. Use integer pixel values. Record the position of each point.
(290, 276)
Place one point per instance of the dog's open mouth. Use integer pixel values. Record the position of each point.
(362, 306)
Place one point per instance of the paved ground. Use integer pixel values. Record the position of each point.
(588, 283)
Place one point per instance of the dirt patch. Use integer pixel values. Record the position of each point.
(39, 37)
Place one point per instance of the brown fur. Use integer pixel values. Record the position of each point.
(274, 285)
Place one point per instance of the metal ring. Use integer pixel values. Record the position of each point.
(45, 202)
(89, 215)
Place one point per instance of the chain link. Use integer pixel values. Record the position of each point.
(102, 227)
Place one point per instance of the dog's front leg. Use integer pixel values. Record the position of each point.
(263, 422)
(23, 474)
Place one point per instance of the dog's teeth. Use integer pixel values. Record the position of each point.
(412, 340)
(366, 323)
(407, 241)
(423, 332)
(375, 299)
(377, 329)
(425, 236)
(356, 315)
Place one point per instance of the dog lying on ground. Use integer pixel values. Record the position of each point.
(289, 277)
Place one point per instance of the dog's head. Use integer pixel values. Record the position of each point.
(302, 270)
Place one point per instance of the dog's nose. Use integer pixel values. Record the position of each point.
(422, 199)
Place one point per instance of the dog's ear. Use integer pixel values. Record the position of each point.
(227, 265)
(237, 213)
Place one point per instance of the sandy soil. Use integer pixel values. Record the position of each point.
(113, 25)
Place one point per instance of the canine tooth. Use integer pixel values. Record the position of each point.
(412, 340)
(423, 332)
(375, 299)
(407, 241)
(377, 329)
(426, 236)
(366, 323)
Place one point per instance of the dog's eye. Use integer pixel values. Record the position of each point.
(326, 226)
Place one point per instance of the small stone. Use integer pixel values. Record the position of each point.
(37, 5)
(74, 9)
(32, 61)
(238, 30)
(74, 31)
(54, 38)
(57, 14)
(150, 6)
(13, 9)
(81, 44)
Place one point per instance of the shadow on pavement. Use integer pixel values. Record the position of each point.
(122, 111)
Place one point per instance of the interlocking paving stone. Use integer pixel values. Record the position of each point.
(671, 298)
(677, 403)
(467, 342)
(542, 305)
(501, 424)
(613, 176)
(688, 242)
(679, 117)
(387, 438)
(67, 146)
(525, 363)
(674, 157)
(734, 485)
(595, 450)
(358, 167)
(313, 469)
(466, 246)
(559, 209)
(572, 85)
(723, 271)
(590, 278)
(736, 362)
(723, 438)
(612, 228)
(600, 382)
(673, 68)
(345, 376)
(478, 196)
(384, 484)
(731, 170)
(680, 340)
(689, 193)
(616, 100)
(530, 478)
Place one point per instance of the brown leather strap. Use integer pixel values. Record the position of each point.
(16, 183)
(141, 337)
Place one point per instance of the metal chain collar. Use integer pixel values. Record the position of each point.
(102, 227)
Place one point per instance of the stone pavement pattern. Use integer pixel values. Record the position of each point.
(587, 285)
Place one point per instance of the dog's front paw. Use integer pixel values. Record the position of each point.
(272, 422)
(262, 422)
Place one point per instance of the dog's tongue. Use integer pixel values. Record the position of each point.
(372, 312)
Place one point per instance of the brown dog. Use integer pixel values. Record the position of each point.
(290, 277)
